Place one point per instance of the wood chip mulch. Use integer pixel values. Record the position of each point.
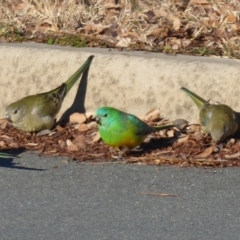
(81, 142)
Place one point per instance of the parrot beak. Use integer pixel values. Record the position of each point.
(8, 117)
(98, 120)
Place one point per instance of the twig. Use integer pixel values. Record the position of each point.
(160, 194)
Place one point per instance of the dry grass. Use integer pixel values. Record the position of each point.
(202, 27)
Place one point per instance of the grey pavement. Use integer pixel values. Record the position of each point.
(53, 198)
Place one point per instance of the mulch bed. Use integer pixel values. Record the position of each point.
(80, 141)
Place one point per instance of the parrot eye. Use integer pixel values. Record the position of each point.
(105, 115)
(15, 111)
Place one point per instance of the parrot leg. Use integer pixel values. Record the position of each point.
(137, 149)
(122, 152)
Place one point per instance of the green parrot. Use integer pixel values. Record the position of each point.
(37, 112)
(7, 155)
(218, 120)
(122, 130)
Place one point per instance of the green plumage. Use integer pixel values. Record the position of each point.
(120, 129)
(37, 112)
(218, 120)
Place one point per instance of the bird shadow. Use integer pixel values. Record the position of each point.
(154, 144)
(78, 104)
(8, 162)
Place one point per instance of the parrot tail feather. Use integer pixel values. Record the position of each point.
(199, 101)
(162, 127)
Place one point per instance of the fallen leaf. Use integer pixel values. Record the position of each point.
(92, 125)
(152, 115)
(13, 145)
(132, 35)
(69, 142)
(231, 18)
(90, 115)
(4, 125)
(2, 144)
(62, 144)
(32, 144)
(200, 2)
(183, 139)
(77, 118)
(176, 23)
(97, 137)
(170, 133)
(123, 42)
(59, 128)
(83, 127)
(159, 33)
(3, 120)
(80, 140)
(206, 153)
(235, 155)
(94, 28)
(72, 148)
(197, 136)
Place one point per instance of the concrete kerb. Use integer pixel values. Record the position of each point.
(135, 82)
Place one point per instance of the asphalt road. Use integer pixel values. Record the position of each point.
(51, 198)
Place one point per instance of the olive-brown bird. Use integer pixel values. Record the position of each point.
(37, 112)
(218, 120)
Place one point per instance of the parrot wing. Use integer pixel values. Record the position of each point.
(49, 103)
(140, 127)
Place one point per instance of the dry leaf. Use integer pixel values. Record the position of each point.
(77, 118)
(72, 148)
(59, 128)
(206, 153)
(231, 19)
(6, 137)
(94, 28)
(176, 23)
(159, 33)
(83, 127)
(92, 125)
(132, 35)
(3, 120)
(97, 137)
(90, 115)
(152, 115)
(80, 140)
(62, 144)
(31, 144)
(183, 139)
(170, 133)
(69, 142)
(123, 42)
(235, 155)
(200, 2)
(13, 145)
(175, 47)
(2, 144)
